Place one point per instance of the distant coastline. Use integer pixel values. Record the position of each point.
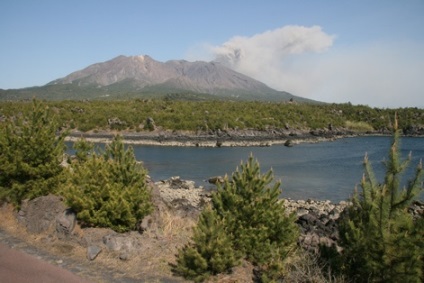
(221, 138)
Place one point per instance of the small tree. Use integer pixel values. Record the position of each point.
(380, 239)
(210, 252)
(31, 152)
(109, 190)
(249, 212)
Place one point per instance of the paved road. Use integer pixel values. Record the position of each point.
(18, 267)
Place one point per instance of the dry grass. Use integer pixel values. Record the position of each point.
(151, 263)
(158, 249)
(175, 226)
(9, 222)
(163, 243)
(305, 267)
(359, 126)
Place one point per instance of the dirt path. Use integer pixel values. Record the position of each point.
(19, 267)
(22, 262)
(26, 257)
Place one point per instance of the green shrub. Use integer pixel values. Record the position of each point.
(381, 241)
(83, 149)
(31, 151)
(247, 212)
(109, 190)
(210, 252)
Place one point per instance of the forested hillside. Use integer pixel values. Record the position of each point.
(174, 114)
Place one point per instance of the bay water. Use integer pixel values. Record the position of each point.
(322, 171)
(325, 170)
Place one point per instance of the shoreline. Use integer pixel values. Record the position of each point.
(237, 139)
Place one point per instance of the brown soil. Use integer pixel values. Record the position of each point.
(152, 264)
(20, 267)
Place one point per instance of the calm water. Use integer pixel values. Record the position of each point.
(328, 170)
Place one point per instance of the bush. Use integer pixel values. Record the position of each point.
(109, 190)
(246, 220)
(31, 152)
(210, 252)
(381, 241)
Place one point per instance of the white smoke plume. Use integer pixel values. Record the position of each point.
(265, 56)
(305, 62)
(275, 45)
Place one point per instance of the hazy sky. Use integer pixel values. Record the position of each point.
(367, 52)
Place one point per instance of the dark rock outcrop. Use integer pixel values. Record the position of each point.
(317, 221)
(413, 130)
(65, 222)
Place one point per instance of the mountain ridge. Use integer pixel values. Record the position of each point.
(138, 76)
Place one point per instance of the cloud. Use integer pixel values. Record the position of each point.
(306, 62)
(380, 74)
(270, 57)
(265, 56)
(275, 44)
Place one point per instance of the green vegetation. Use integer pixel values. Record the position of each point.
(359, 126)
(110, 189)
(246, 221)
(381, 241)
(107, 190)
(30, 154)
(175, 114)
(211, 251)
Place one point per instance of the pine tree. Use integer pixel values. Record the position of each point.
(248, 211)
(381, 240)
(257, 219)
(83, 149)
(31, 151)
(109, 189)
(210, 251)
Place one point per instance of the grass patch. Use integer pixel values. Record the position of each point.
(359, 126)
(306, 267)
(175, 226)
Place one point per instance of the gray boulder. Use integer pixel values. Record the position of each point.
(93, 252)
(41, 214)
(128, 242)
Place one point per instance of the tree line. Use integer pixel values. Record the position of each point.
(169, 114)
(381, 241)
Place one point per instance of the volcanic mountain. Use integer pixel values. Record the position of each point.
(142, 76)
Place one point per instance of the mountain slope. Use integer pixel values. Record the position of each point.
(142, 69)
(141, 76)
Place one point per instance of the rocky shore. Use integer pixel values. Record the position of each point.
(235, 138)
(317, 219)
(220, 138)
(146, 253)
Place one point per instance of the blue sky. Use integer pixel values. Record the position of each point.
(364, 52)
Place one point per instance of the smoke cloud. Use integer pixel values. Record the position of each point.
(269, 56)
(306, 62)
